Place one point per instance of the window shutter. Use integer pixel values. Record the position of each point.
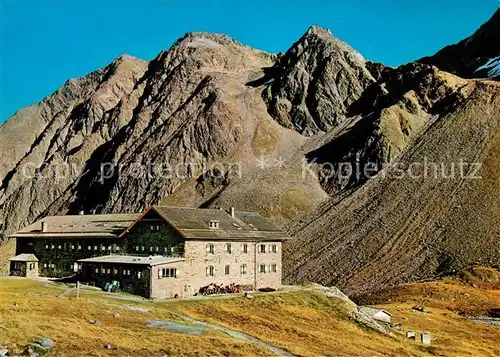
(176, 272)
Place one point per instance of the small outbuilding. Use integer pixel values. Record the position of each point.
(377, 314)
(25, 265)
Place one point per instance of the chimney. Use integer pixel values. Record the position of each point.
(44, 226)
(231, 211)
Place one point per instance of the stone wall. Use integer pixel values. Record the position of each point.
(31, 269)
(193, 271)
(168, 287)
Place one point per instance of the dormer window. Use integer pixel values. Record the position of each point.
(213, 224)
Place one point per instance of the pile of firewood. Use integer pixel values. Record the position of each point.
(213, 288)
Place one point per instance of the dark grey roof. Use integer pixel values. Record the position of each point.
(24, 258)
(193, 223)
(131, 259)
(80, 226)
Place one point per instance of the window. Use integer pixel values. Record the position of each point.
(52, 246)
(138, 275)
(168, 249)
(142, 248)
(103, 271)
(117, 248)
(213, 224)
(272, 268)
(168, 273)
(262, 268)
(150, 249)
(228, 248)
(89, 247)
(155, 228)
(59, 246)
(157, 249)
(210, 248)
(52, 265)
(95, 247)
(115, 271)
(103, 248)
(244, 248)
(262, 248)
(273, 248)
(72, 247)
(79, 247)
(46, 246)
(97, 270)
(109, 248)
(226, 270)
(243, 269)
(136, 248)
(210, 270)
(45, 265)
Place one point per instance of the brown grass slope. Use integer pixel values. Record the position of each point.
(393, 230)
(305, 323)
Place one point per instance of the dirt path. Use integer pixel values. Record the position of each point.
(243, 336)
(198, 327)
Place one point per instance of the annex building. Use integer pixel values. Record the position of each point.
(162, 253)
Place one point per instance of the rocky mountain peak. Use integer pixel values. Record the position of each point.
(200, 39)
(209, 99)
(315, 81)
(319, 31)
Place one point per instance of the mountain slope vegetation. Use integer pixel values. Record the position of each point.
(214, 123)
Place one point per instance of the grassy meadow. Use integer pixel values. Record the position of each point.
(303, 322)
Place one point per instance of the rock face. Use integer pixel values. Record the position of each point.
(176, 109)
(383, 123)
(318, 139)
(477, 56)
(314, 82)
(433, 211)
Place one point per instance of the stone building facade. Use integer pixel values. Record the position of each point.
(252, 264)
(161, 253)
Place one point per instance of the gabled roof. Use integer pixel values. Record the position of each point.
(193, 223)
(79, 226)
(371, 311)
(24, 258)
(131, 259)
(190, 223)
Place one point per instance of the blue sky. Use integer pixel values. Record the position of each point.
(43, 43)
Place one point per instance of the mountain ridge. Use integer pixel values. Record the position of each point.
(469, 58)
(268, 132)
